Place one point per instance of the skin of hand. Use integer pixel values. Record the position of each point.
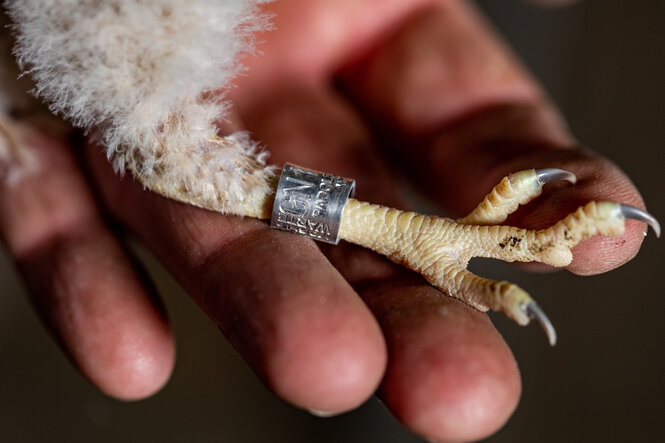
(349, 87)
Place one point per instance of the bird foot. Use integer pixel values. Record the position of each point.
(440, 248)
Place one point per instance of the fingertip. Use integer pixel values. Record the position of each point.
(333, 365)
(135, 366)
(602, 254)
(466, 406)
(297, 322)
(122, 343)
(469, 413)
(112, 324)
(460, 382)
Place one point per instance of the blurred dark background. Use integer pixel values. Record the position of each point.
(603, 62)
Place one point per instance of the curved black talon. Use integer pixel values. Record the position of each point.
(553, 174)
(535, 313)
(633, 213)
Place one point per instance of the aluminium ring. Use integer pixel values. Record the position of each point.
(310, 203)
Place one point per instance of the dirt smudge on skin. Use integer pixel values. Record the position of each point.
(511, 242)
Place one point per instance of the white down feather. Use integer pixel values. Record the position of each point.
(147, 74)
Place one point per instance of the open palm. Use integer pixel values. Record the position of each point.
(355, 88)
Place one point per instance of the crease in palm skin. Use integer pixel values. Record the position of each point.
(437, 248)
(150, 96)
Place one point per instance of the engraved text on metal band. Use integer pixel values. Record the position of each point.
(310, 203)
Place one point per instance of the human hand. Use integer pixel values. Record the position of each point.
(300, 325)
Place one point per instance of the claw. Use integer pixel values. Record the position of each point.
(535, 313)
(633, 213)
(553, 174)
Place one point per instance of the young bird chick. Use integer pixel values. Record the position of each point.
(124, 69)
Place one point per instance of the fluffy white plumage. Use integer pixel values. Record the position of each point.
(147, 75)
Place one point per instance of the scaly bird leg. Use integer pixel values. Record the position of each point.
(514, 190)
(440, 248)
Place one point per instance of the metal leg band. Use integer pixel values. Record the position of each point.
(310, 203)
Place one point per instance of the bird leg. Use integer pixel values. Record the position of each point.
(514, 190)
(440, 248)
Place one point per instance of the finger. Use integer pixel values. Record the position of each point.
(464, 114)
(471, 382)
(295, 320)
(451, 376)
(81, 280)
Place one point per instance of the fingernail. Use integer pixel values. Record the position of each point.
(322, 414)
